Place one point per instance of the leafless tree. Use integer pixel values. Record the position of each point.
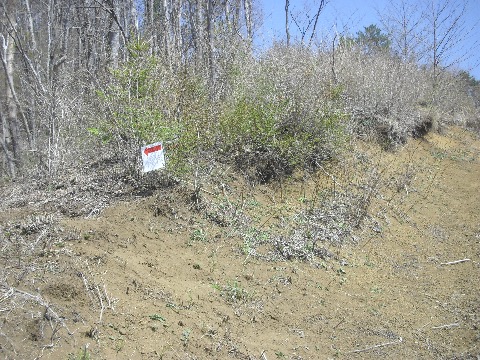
(447, 31)
(248, 19)
(304, 21)
(287, 16)
(404, 23)
(430, 32)
(446, 25)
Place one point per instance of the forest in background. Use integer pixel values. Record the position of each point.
(83, 78)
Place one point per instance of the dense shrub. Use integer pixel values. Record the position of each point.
(144, 101)
(289, 108)
(280, 116)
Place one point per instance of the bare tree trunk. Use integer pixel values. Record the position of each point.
(30, 25)
(200, 34)
(177, 31)
(51, 59)
(211, 66)
(4, 142)
(7, 56)
(166, 29)
(248, 19)
(58, 30)
(317, 15)
(12, 113)
(133, 21)
(228, 19)
(114, 34)
(435, 59)
(154, 29)
(192, 27)
(287, 29)
(236, 21)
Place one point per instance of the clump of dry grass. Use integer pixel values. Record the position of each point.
(315, 230)
(42, 286)
(30, 252)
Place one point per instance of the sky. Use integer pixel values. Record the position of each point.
(351, 16)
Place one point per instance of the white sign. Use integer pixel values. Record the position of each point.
(153, 157)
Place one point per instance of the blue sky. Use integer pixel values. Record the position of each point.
(352, 16)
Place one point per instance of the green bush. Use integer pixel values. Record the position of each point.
(145, 101)
(274, 138)
(137, 102)
(270, 122)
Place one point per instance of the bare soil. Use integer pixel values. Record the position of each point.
(157, 277)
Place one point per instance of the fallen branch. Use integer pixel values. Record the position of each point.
(39, 300)
(378, 346)
(7, 294)
(455, 262)
(447, 326)
(50, 314)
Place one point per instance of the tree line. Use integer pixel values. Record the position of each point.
(52, 50)
(152, 65)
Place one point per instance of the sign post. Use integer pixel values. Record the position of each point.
(153, 157)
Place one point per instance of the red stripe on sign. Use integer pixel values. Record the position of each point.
(152, 149)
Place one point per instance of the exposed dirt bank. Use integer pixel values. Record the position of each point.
(150, 278)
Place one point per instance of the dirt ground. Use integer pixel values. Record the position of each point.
(152, 278)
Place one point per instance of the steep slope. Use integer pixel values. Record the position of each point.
(153, 278)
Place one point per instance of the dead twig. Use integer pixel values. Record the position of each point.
(109, 302)
(9, 293)
(340, 323)
(446, 326)
(455, 262)
(400, 340)
(50, 314)
(104, 299)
